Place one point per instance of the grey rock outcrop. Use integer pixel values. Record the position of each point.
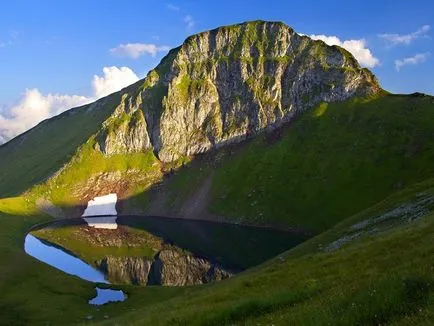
(228, 84)
(169, 268)
(125, 131)
(175, 269)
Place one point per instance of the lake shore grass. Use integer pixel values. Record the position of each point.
(383, 278)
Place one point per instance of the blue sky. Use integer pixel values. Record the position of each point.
(55, 48)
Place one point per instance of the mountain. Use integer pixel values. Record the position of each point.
(167, 144)
(248, 124)
(227, 84)
(232, 85)
(220, 87)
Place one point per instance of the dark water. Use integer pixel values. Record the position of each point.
(233, 247)
(237, 247)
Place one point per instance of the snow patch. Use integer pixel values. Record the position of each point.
(102, 205)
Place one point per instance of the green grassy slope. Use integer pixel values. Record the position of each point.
(37, 154)
(75, 183)
(381, 278)
(67, 143)
(328, 164)
(385, 278)
(337, 171)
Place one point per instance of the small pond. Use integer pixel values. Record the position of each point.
(104, 296)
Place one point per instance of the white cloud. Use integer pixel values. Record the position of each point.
(414, 60)
(356, 47)
(395, 39)
(33, 107)
(135, 50)
(113, 80)
(190, 22)
(172, 7)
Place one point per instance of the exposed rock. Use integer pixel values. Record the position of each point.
(169, 267)
(125, 133)
(111, 182)
(406, 212)
(402, 214)
(225, 85)
(173, 268)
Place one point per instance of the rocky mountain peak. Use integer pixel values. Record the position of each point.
(227, 84)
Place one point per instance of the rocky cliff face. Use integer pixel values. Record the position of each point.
(228, 84)
(169, 268)
(126, 130)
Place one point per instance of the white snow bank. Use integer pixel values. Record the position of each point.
(103, 205)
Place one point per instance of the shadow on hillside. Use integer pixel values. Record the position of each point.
(196, 230)
(187, 191)
(183, 192)
(213, 237)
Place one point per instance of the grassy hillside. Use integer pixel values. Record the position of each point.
(328, 164)
(379, 278)
(357, 176)
(382, 280)
(381, 271)
(90, 173)
(59, 159)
